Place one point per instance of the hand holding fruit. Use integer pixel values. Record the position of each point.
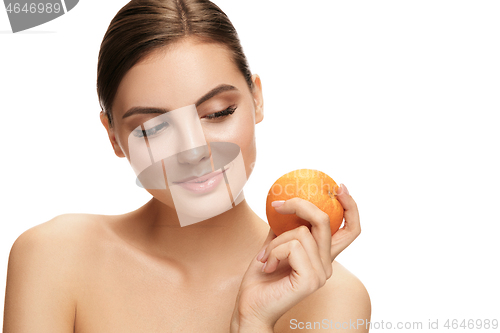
(295, 263)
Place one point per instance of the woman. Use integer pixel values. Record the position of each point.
(182, 262)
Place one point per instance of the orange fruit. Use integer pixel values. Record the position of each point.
(312, 185)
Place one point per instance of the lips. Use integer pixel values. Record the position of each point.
(194, 179)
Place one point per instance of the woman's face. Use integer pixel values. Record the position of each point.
(168, 123)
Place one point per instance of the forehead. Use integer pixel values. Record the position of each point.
(176, 76)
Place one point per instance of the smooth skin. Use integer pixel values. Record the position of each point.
(142, 272)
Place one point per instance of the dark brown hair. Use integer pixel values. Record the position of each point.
(143, 26)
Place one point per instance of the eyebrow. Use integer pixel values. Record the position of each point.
(147, 110)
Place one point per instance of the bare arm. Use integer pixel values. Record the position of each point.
(39, 294)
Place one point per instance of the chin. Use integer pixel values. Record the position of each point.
(194, 208)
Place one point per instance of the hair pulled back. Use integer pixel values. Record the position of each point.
(143, 26)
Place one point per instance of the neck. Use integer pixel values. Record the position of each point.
(215, 244)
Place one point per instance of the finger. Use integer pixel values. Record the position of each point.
(340, 241)
(303, 235)
(319, 220)
(351, 214)
(352, 228)
(303, 273)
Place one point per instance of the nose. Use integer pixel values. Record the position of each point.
(191, 145)
(193, 155)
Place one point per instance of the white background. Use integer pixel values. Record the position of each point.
(399, 100)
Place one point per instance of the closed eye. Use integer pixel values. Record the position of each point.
(229, 111)
(151, 131)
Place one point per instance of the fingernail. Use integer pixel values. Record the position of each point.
(264, 266)
(339, 190)
(261, 254)
(277, 203)
(344, 189)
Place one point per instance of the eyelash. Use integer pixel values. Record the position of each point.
(229, 111)
(221, 114)
(156, 129)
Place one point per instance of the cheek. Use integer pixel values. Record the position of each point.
(122, 140)
(245, 139)
(238, 129)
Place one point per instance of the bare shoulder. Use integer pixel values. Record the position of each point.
(62, 226)
(58, 246)
(44, 267)
(343, 300)
(59, 237)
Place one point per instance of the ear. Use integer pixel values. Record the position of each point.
(111, 134)
(258, 98)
